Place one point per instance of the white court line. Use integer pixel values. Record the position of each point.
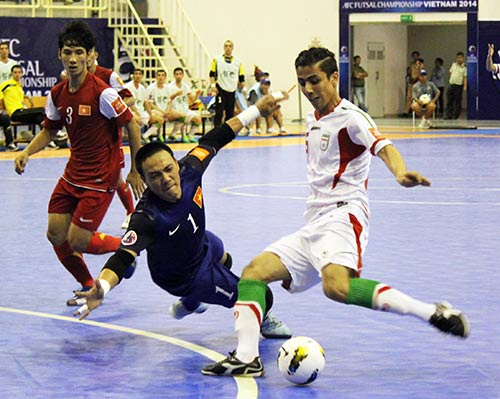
(247, 387)
(232, 190)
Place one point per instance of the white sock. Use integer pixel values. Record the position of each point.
(247, 319)
(176, 129)
(152, 131)
(391, 300)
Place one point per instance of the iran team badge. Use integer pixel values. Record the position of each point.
(325, 140)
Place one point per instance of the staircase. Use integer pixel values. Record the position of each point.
(159, 45)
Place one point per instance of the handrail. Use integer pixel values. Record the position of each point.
(134, 37)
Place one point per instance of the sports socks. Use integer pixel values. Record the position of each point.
(375, 295)
(249, 311)
(74, 263)
(101, 243)
(125, 195)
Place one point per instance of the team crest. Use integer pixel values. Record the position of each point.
(130, 238)
(325, 140)
(198, 197)
(84, 110)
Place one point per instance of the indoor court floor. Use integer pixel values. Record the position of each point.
(437, 243)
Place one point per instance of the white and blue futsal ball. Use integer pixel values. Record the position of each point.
(300, 360)
(425, 99)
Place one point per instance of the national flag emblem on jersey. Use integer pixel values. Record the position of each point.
(200, 153)
(198, 197)
(325, 140)
(118, 105)
(130, 238)
(84, 110)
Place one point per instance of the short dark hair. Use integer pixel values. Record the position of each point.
(160, 70)
(148, 150)
(4, 43)
(356, 57)
(415, 52)
(440, 60)
(318, 55)
(77, 34)
(178, 69)
(421, 60)
(460, 53)
(138, 70)
(17, 66)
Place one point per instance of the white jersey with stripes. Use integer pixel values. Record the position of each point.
(339, 148)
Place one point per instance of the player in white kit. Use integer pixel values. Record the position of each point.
(340, 142)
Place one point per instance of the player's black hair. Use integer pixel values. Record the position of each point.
(160, 70)
(318, 55)
(460, 53)
(17, 66)
(4, 43)
(178, 69)
(440, 60)
(77, 34)
(148, 150)
(356, 57)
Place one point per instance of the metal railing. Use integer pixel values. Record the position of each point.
(171, 42)
(132, 35)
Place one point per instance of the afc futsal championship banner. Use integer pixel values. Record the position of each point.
(408, 6)
(33, 44)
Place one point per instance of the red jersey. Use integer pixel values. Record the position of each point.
(93, 117)
(113, 79)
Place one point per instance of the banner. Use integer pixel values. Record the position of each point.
(405, 6)
(34, 45)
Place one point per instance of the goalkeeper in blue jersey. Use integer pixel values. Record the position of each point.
(184, 258)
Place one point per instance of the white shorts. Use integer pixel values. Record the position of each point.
(338, 237)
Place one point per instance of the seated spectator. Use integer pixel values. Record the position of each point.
(157, 102)
(18, 106)
(142, 116)
(424, 97)
(256, 92)
(180, 97)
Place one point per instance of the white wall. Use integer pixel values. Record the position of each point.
(395, 38)
(271, 33)
(267, 33)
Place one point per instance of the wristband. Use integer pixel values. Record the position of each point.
(105, 286)
(278, 95)
(249, 115)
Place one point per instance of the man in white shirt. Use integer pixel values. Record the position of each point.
(226, 75)
(457, 86)
(180, 97)
(6, 63)
(341, 140)
(138, 90)
(157, 96)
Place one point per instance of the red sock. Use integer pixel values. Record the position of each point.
(101, 243)
(125, 195)
(73, 262)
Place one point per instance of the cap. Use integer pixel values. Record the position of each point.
(423, 72)
(263, 74)
(265, 82)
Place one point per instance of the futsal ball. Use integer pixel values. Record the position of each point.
(425, 99)
(300, 360)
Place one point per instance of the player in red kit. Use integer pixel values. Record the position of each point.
(93, 114)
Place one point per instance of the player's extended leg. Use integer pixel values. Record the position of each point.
(72, 260)
(340, 285)
(249, 311)
(125, 195)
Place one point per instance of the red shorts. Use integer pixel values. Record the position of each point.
(88, 207)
